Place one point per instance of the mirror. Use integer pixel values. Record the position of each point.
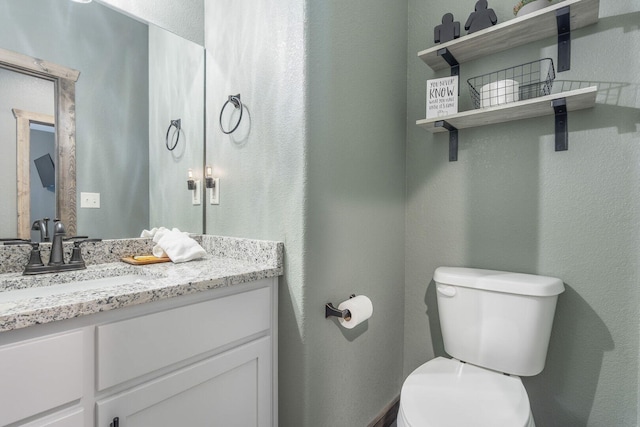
(134, 79)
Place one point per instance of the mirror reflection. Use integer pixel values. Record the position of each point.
(134, 79)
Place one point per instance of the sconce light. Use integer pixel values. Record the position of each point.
(82, 1)
(191, 183)
(208, 177)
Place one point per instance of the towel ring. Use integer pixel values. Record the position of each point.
(235, 101)
(177, 125)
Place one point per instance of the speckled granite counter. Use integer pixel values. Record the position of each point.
(229, 262)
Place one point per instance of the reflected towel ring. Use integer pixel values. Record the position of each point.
(177, 125)
(235, 100)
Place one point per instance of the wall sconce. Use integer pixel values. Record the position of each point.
(212, 184)
(208, 177)
(191, 183)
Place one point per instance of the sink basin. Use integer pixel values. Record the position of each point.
(70, 287)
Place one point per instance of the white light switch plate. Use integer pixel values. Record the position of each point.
(195, 194)
(90, 200)
(214, 193)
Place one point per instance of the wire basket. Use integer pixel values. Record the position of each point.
(518, 83)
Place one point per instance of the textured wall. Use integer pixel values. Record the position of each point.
(184, 18)
(318, 164)
(512, 203)
(176, 91)
(256, 48)
(111, 103)
(356, 54)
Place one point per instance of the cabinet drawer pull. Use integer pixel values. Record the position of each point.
(115, 422)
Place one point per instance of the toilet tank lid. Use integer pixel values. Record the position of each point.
(499, 281)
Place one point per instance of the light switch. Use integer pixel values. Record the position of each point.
(195, 194)
(90, 200)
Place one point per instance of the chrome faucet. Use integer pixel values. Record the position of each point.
(42, 225)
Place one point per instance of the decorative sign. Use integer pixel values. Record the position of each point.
(442, 97)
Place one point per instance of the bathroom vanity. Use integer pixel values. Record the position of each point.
(163, 344)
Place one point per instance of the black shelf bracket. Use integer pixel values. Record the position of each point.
(563, 19)
(453, 63)
(562, 135)
(453, 138)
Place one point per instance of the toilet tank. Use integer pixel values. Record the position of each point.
(496, 319)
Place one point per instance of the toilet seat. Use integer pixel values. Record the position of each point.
(449, 393)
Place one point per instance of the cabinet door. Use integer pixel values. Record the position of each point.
(40, 375)
(232, 389)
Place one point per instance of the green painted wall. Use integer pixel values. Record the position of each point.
(318, 164)
(355, 220)
(512, 203)
(176, 91)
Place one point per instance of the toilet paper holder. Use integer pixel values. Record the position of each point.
(330, 310)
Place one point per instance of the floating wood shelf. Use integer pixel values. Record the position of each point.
(515, 32)
(577, 99)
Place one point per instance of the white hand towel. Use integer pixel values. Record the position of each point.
(177, 245)
(151, 233)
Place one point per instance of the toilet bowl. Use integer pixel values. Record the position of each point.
(449, 393)
(496, 326)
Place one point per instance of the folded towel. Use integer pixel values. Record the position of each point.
(176, 245)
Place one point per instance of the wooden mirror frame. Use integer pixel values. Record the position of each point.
(64, 80)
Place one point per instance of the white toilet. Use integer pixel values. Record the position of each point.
(496, 325)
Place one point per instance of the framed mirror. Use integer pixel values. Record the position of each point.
(134, 79)
(64, 80)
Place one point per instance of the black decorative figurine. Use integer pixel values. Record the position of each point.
(446, 31)
(480, 19)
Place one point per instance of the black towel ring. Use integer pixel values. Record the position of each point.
(235, 101)
(177, 125)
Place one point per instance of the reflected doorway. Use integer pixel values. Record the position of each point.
(42, 152)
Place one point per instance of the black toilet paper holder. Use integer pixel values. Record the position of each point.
(330, 310)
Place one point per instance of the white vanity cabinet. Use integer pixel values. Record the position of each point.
(205, 359)
(230, 388)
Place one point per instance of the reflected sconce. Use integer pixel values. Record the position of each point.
(208, 177)
(191, 183)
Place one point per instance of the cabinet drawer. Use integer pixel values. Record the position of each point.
(39, 375)
(134, 347)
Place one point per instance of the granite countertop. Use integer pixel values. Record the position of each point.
(32, 300)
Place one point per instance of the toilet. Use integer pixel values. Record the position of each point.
(496, 326)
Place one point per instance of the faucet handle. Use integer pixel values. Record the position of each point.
(14, 241)
(74, 238)
(76, 255)
(34, 258)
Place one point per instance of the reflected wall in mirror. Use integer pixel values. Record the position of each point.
(120, 120)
